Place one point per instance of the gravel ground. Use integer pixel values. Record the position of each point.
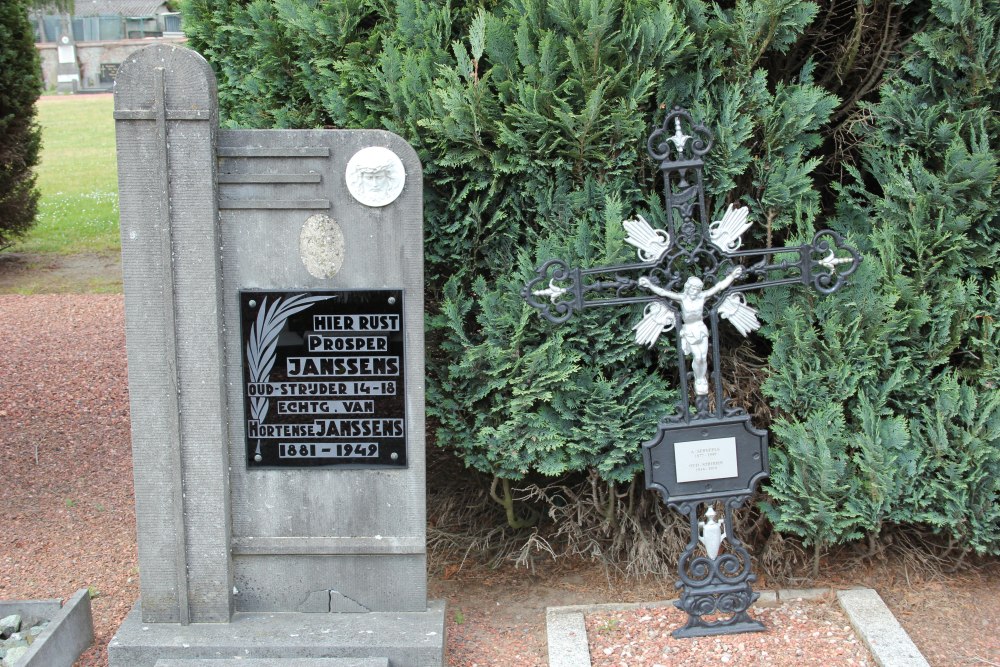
(66, 471)
(67, 522)
(798, 633)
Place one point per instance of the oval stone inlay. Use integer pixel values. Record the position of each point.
(321, 244)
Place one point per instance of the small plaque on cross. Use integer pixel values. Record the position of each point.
(709, 459)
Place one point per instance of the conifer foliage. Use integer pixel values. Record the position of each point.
(530, 117)
(20, 136)
(909, 356)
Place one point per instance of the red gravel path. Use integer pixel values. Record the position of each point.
(68, 519)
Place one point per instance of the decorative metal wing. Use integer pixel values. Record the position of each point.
(656, 318)
(742, 316)
(725, 234)
(650, 243)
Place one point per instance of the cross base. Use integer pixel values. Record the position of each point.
(733, 600)
(716, 582)
(697, 628)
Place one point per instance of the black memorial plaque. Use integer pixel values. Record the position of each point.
(323, 380)
(706, 459)
(108, 72)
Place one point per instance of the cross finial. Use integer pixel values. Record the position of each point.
(679, 139)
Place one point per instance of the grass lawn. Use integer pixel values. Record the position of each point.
(78, 177)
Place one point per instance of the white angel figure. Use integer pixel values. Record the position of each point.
(693, 332)
(726, 233)
(742, 316)
(650, 243)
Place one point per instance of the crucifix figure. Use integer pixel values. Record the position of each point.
(693, 333)
(710, 454)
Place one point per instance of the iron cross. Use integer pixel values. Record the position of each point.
(692, 271)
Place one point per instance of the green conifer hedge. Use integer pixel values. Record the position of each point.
(889, 391)
(877, 119)
(20, 136)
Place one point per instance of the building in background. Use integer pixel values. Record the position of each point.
(81, 53)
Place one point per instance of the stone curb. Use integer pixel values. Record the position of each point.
(566, 632)
(871, 619)
(879, 629)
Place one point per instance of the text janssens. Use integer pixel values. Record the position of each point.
(329, 428)
(342, 366)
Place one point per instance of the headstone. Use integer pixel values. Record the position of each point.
(274, 324)
(67, 69)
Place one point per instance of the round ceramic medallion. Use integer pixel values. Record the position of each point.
(375, 176)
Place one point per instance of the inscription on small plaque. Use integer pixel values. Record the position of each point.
(705, 459)
(323, 380)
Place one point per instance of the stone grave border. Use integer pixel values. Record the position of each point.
(69, 633)
(869, 616)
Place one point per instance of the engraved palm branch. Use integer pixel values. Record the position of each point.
(263, 343)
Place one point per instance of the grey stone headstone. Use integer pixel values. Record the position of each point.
(206, 213)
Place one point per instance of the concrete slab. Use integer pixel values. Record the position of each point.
(567, 635)
(610, 606)
(405, 639)
(767, 599)
(31, 611)
(291, 662)
(889, 644)
(789, 594)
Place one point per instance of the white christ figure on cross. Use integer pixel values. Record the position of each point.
(694, 334)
